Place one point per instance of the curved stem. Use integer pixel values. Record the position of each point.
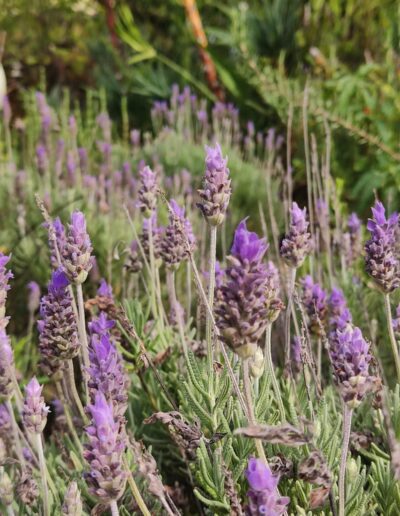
(42, 465)
(271, 371)
(391, 336)
(250, 408)
(83, 337)
(347, 415)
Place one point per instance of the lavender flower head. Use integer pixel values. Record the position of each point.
(6, 366)
(5, 422)
(104, 452)
(58, 332)
(241, 309)
(315, 304)
(5, 276)
(263, 494)
(105, 289)
(147, 195)
(35, 411)
(178, 238)
(133, 262)
(72, 504)
(57, 241)
(350, 359)
(381, 260)
(296, 244)
(76, 253)
(216, 190)
(157, 233)
(34, 296)
(273, 301)
(396, 323)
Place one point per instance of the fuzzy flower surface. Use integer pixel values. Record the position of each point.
(58, 332)
(314, 299)
(76, 253)
(241, 309)
(296, 244)
(263, 495)
(6, 366)
(177, 237)
(216, 190)
(147, 195)
(157, 233)
(380, 260)
(104, 452)
(35, 411)
(5, 276)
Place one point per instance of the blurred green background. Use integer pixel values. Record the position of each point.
(264, 53)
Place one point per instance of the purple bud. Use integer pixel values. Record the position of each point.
(6, 366)
(35, 411)
(105, 290)
(296, 244)
(6, 111)
(247, 246)
(76, 253)
(263, 495)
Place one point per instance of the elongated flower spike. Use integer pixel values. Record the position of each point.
(241, 308)
(296, 244)
(263, 495)
(273, 301)
(72, 505)
(178, 233)
(381, 261)
(35, 411)
(76, 253)
(6, 366)
(315, 304)
(216, 190)
(105, 289)
(106, 478)
(147, 195)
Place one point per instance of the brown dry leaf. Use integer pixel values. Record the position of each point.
(281, 434)
(318, 497)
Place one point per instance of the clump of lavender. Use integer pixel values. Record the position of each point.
(381, 261)
(296, 244)
(77, 249)
(263, 495)
(178, 235)
(35, 411)
(106, 371)
(147, 195)
(273, 301)
(216, 190)
(314, 301)
(58, 332)
(104, 452)
(6, 366)
(241, 309)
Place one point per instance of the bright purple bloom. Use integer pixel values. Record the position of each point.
(76, 252)
(247, 246)
(105, 289)
(263, 495)
(381, 260)
(297, 242)
(35, 411)
(104, 452)
(101, 325)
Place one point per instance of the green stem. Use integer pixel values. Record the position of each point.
(347, 415)
(211, 287)
(42, 465)
(83, 337)
(14, 426)
(250, 408)
(391, 336)
(135, 491)
(74, 392)
(152, 271)
(271, 371)
(292, 280)
(114, 508)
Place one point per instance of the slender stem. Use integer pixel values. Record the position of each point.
(10, 511)
(68, 417)
(292, 279)
(347, 415)
(391, 336)
(271, 371)
(135, 491)
(14, 425)
(319, 358)
(152, 270)
(114, 508)
(250, 408)
(74, 392)
(211, 287)
(42, 466)
(83, 336)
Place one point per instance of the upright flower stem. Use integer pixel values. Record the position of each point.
(392, 336)
(211, 288)
(250, 408)
(74, 392)
(290, 289)
(114, 508)
(152, 271)
(347, 415)
(135, 491)
(271, 371)
(174, 305)
(14, 426)
(83, 336)
(42, 466)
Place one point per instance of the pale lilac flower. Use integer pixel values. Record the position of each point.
(147, 195)
(6, 366)
(34, 296)
(296, 244)
(178, 237)
(314, 299)
(263, 494)
(76, 252)
(35, 411)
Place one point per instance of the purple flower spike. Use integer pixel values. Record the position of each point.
(314, 301)
(273, 301)
(297, 243)
(147, 195)
(104, 452)
(157, 234)
(216, 190)
(6, 366)
(105, 290)
(263, 495)
(5, 422)
(101, 325)
(35, 411)
(76, 253)
(178, 235)
(58, 332)
(241, 302)
(381, 260)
